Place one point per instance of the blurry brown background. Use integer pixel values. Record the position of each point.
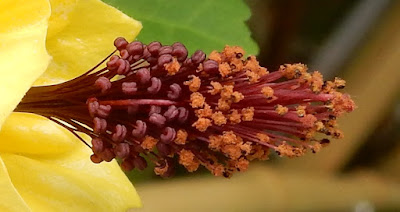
(358, 40)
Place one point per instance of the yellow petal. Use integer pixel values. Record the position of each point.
(23, 56)
(70, 182)
(10, 198)
(81, 34)
(24, 133)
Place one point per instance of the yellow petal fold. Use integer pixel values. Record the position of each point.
(23, 56)
(70, 182)
(81, 34)
(10, 198)
(35, 135)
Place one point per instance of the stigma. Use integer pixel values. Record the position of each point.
(155, 103)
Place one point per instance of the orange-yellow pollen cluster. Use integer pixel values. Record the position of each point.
(172, 67)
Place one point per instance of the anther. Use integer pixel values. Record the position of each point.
(112, 63)
(140, 129)
(127, 165)
(163, 149)
(154, 109)
(198, 57)
(108, 155)
(124, 54)
(97, 145)
(135, 48)
(119, 133)
(179, 51)
(103, 111)
(103, 83)
(210, 66)
(171, 113)
(183, 114)
(120, 43)
(168, 135)
(122, 150)
(129, 88)
(93, 106)
(96, 158)
(154, 47)
(100, 125)
(157, 119)
(175, 91)
(164, 59)
(165, 50)
(140, 162)
(155, 85)
(123, 66)
(144, 75)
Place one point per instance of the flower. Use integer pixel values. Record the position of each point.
(42, 166)
(153, 101)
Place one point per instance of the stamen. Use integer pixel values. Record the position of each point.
(153, 101)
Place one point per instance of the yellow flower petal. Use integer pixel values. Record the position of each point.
(70, 182)
(23, 55)
(32, 134)
(83, 36)
(10, 198)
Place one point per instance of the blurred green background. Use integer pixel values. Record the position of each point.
(358, 40)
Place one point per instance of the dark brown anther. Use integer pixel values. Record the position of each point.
(112, 63)
(163, 149)
(96, 158)
(187, 63)
(171, 113)
(140, 162)
(103, 111)
(144, 75)
(108, 155)
(124, 54)
(198, 57)
(135, 48)
(100, 125)
(154, 109)
(146, 53)
(93, 106)
(103, 83)
(97, 145)
(175, 91)
(168, 135)
(325, 141)
(164, 59)
(127, 165)
(179, 51)
(210, 66)
(119, 133)
(129, 88)
(122, 150)
(120, 43)
(157, 119)
(140, 129)
(155, 85)
(123, 66)
(165, 50)
(183, 115)
(154, 48)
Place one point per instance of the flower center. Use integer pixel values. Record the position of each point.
(153, 101)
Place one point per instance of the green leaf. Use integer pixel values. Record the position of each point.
(207, 25)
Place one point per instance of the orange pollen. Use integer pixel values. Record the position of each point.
(172, 67)
(194, 83)
(202, 124)
(197, 100)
